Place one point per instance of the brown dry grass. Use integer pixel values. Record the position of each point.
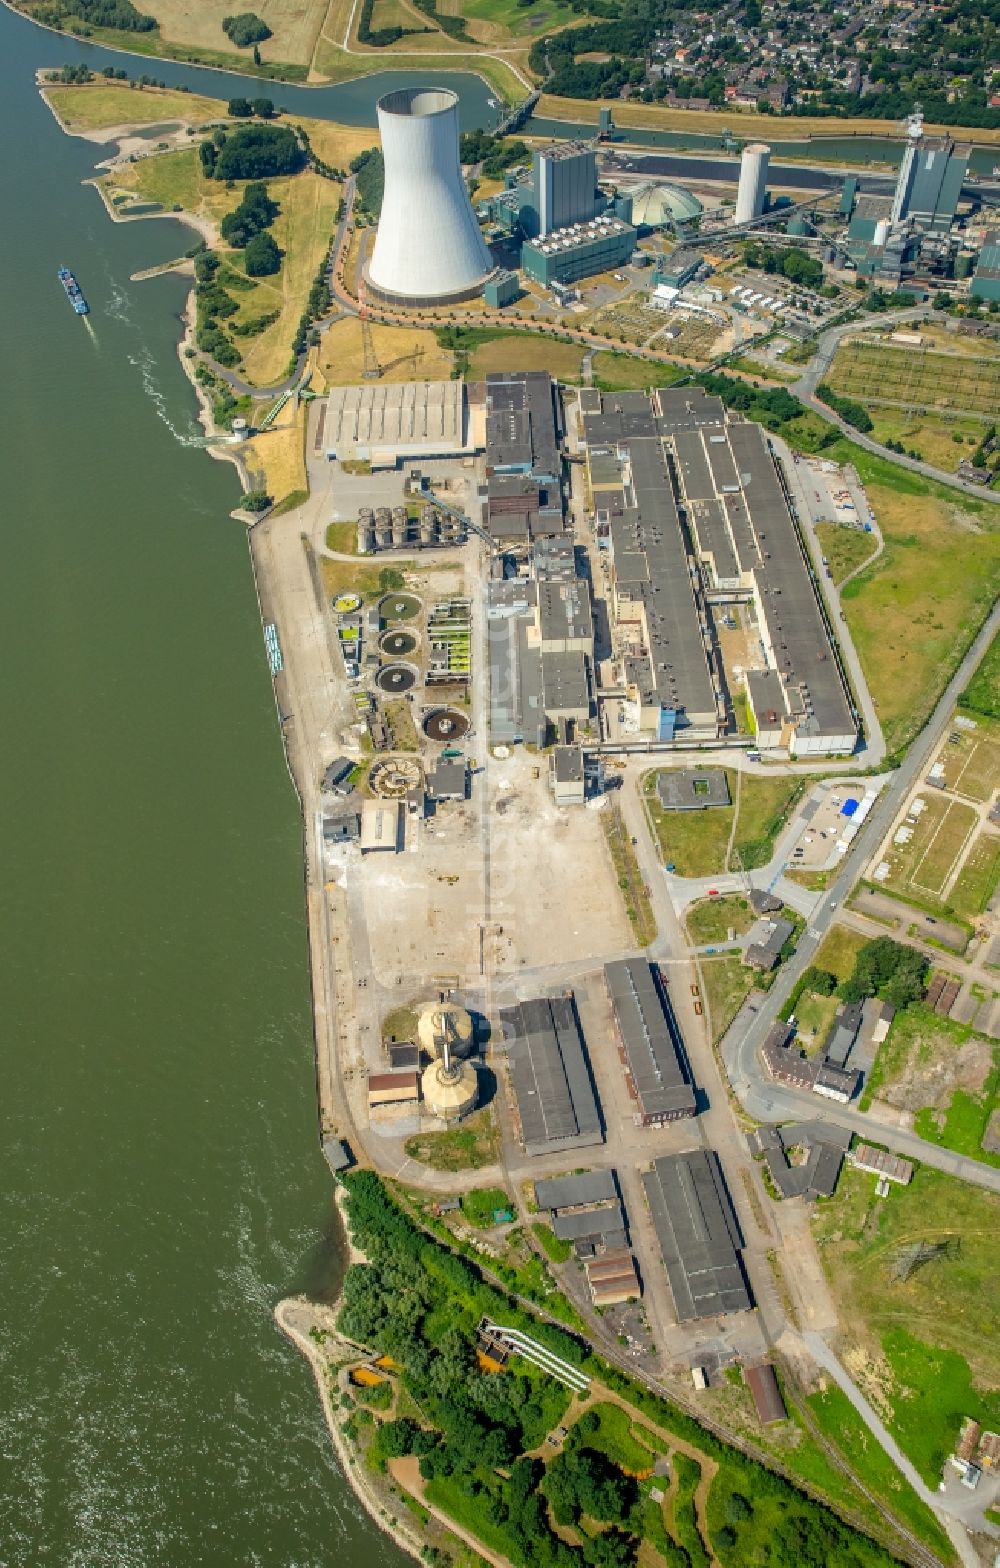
(295, 25)
(280, 453)
(340, 358)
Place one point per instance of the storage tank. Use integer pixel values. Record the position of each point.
(427, 525)
(400, 525)
(383, 527)
(446, 1023)
(450, 1088)
(751, 193)
(428, 246)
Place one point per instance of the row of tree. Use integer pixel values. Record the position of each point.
(850, 411)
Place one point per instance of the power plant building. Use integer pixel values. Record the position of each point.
(568, 254)
(986, 279)
(565, 185)
(751, 192)
(929, 184)
(428, 248)
(380, 423)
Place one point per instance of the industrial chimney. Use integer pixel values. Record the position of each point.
(428, 248)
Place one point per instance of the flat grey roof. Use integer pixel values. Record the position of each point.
(415, 416)
(551, 1078)
(564, 610)
(692, 789)
(564, 681)
(570, 1192)
(568, 763)
(698, 1235)
(530, 436)
(651, 1038)
(584, 1223)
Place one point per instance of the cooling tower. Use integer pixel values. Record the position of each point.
(751, 193)
(428, 248)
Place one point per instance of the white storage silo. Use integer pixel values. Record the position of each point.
(751, 193)
(428, 246)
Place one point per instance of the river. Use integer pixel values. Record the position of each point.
(161, 1184)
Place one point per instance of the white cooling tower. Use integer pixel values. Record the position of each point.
(751, 193)
(428, 247)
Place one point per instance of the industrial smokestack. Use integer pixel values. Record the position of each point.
(428, 247)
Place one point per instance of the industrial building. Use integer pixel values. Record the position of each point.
(564, 177)
(576, 1192)
(698, 1235)
(580, 251)
(787, 1064)
(381, 423)
(604, 1224)
(763, 1385)
(692, 789)
(428, 248)
(818, 1176)
(888, 1167)
(929, 184)
(569, 783)
(556, 1101)
(985, 283)
(649, 1043)
(381, 826)
(751, 192)
(678, 268)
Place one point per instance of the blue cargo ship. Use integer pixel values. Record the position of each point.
(74, 293)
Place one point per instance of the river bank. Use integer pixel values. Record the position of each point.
(312, 1328)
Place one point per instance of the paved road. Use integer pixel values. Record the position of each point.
(767, 1100)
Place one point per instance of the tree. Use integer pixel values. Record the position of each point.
(891, 970)
(263, 108)
(255, 213)
(822, 983)
(208, 154)
(738, 1508)
(259, 152)
(239, 108)
(261, 257)
(255, 501)
(245, 29)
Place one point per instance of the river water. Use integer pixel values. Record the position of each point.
(160, 1179)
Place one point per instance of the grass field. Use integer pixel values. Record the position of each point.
(280, 452)
(695, 842)
(917, 378)
(469, 1147)
(845, 548)
(913, 613)
(838, 950)
(978, 878)
(620, 373)
(925, 1348)
(717, 121)
(943, 1074)
(943, 440)
(435, 54)
(939, 833)
(972, 758)
(710, 919)
(528, 351)
(627, 1444)
(170, 179)
(725, 983)
(97, 106)
(634, 892)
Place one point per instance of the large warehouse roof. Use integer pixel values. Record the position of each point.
(651, 1039)
(698, 1235)
(569, 1192)
(551, 1078)
(412, 417)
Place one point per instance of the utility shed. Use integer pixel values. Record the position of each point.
(763, 1385)
(550, 1074)
(649, 1043)
(698, 1235)
(572, 1192)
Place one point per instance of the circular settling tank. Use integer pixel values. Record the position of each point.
(398, 644)
(396, 679)
(446, 724)
(391, 778)
(399, 606)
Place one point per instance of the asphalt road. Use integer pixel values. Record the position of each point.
(766, 1099)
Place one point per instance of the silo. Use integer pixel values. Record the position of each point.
(383, 527)
(428, 246)
(446, 1023)
(751, 193)
(427, 526)
(366, 531)
(400, 525)
(450, 1089)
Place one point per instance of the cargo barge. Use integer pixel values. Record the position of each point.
(74, 293)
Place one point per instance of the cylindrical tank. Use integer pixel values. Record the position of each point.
(427, 526)
(882, 231)
(450, 1089)
(383, 527)
(446, 1021)
(428, 245)
(400, 523)
(751, 193)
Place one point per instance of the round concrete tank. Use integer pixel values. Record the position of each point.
(751, 193)
(446, 1022)
(428, 246)
(450, 1089)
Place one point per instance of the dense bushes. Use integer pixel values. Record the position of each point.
(119, 15)
(770, 406)
(496, 153)
(368, 169)
(261, 258)
(982, 695)
(794, 264)
(255, 213)
(246, 108)
(245, 29)
(381, 37)
(850, 412)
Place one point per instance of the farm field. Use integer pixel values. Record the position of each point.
(690, 337)
(295, 25)
(913, 613)
(695, 842)
(845, 548)
(916, 378)
(924, 1348)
